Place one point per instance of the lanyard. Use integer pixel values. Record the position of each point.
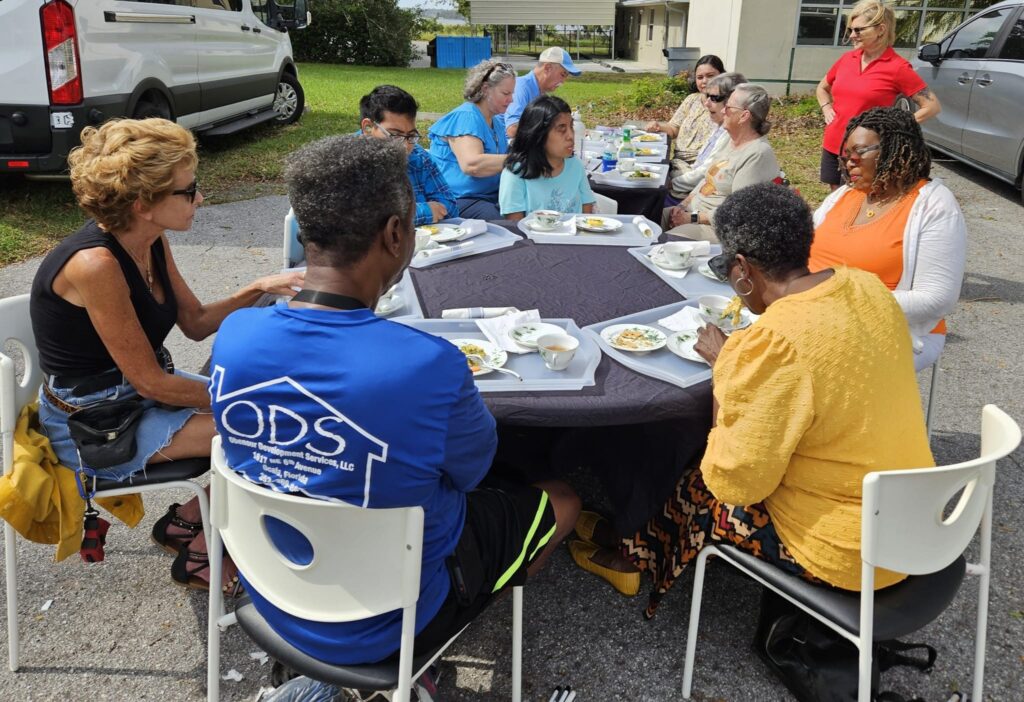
(328, 299)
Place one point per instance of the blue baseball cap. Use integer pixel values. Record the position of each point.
(557, 54)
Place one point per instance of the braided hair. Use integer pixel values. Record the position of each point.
(904, 158)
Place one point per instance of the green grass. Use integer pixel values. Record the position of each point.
(34, 216)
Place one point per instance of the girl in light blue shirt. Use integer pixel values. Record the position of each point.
(541, 172)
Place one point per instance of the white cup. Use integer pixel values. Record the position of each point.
(626, 165)
(557, 350)
(422, 240)
(675, 254)
(546, 219)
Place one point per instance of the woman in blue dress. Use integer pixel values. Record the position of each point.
(468, 144)
(540, 172)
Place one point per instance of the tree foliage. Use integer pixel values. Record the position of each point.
(364, 32)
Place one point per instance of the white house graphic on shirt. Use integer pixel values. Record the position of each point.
(290, 443)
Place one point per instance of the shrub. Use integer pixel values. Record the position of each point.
(364, 32)
(657, 93)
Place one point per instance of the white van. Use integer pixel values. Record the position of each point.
(215, 66)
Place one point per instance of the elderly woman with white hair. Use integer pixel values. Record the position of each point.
(469, 143)
(747, 160)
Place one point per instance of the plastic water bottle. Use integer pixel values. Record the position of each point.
(579, 133)
(626, 148)
(608, 159)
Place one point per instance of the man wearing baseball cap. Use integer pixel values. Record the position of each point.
(552, 69)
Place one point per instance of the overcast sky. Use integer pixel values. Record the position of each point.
(424, 3)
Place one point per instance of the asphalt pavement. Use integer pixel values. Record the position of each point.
(121, 630)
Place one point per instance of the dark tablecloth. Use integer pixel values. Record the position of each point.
(648, 202)
(637, 434)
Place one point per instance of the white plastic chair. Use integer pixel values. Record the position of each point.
(364, 562)
(904, 528)
(605, 205)
(16, 330)
(291, 248)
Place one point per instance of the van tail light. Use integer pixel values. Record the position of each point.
(60, 43)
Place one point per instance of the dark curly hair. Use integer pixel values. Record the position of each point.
(526, 155)
(343, 190)
(904, 158)
(769, 224)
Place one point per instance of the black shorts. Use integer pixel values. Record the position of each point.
(830, 173)
(507, 527)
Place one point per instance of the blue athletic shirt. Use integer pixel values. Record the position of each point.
(467, 120)
(527, 90)
(347, 406)
(568, 191)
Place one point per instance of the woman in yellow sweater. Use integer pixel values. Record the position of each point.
(816, 394)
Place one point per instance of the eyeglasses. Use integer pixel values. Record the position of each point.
(733, 107)
(410, 138)
(859, 152)
(859, 30)
(716, 98)
(506, 67)
(720, 265)
(189, 192)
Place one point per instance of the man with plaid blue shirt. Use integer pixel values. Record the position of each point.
(389, 112)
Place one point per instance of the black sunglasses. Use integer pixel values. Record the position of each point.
(716, 98)
(189, 192)
(720, 265)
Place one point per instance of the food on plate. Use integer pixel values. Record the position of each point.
(640, 174)
(734, 310)
(430, 229)
(593, 222)
(473, 350)
(644, 151)
(648, 137)
(636, 338)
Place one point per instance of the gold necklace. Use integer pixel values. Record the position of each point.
(871, 212)
(147, 266)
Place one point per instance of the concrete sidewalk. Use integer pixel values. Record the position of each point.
(526, 63)
(120, 630)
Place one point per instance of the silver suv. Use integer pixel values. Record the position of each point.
(977, 72)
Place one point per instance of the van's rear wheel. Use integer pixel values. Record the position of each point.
(289, 100)
(152, 105)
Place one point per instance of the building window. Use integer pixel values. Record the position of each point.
(650, 27)
(823, 23)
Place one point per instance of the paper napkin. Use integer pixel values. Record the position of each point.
(496, 329)
(686, 319)
(476, 312)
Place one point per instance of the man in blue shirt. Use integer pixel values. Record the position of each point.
(320, 397)
(389, 112)
(553, 68)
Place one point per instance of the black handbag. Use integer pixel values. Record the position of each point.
(818, 665)
(105, 432)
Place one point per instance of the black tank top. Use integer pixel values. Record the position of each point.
(67, 341)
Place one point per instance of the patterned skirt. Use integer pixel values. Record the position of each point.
(691, 518)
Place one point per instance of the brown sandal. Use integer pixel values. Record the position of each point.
(173, 544)
(189, 578)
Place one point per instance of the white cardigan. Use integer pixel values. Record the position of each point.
(934, 251)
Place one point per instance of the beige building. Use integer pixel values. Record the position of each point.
(788, 45)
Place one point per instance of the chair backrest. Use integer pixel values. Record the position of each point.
(293, 254)
(905, 527)
(356, 562)
(16, 332)
(605, 205)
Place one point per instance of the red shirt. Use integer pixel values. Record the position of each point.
(853, 91)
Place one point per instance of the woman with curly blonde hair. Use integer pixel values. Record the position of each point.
(469, 143)
(105, 299)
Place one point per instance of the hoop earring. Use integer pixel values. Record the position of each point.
(749, 282)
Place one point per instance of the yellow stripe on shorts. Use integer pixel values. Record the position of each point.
(526, 544)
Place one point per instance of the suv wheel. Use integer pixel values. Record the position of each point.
(289, 100)
(152, 105)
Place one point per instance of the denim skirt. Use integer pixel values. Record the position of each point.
(157, 426)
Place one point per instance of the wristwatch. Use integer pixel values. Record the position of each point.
(694, 218)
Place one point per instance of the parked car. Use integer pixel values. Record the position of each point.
(977, 72)
(215, 66)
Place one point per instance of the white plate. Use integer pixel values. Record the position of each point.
(492, 354)
(705, 270)
(647, 138)
(527, 334)
(745, 321)
(640, 174)
(562, 227)
(681, 344)
(654, 338)
(442, 232)
(389, 304)
(647, 151)
(607, 224)
(661, 262)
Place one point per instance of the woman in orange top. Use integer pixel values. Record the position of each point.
(893, 220)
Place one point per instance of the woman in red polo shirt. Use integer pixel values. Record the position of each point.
(872, 75)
